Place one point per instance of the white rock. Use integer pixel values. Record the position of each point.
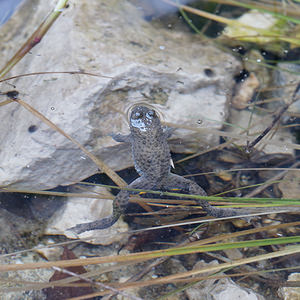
(186, 79)
(226, 289)
(290, 293)
(221, 289)
(255, 19)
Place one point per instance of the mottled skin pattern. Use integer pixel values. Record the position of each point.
(151, 155)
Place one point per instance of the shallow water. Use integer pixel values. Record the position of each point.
(233, 170)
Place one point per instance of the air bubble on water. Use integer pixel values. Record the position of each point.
(18, 261)
(50, 241)
(199, 122)
(238, 194)
(52, 108)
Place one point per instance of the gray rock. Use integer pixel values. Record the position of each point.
(287, 78)
(185, 78)
(12, 227)
(9, 287)
(290, 293)
(221, 289)
(281, 142)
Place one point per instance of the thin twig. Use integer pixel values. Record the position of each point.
(270, 181)
(267, 130)
(294, 98)
(35, 38)
(55, 72)
(100, 284)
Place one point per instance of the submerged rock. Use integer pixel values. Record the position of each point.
(219, 289)
(290, 293)
(83, 210)
(185, 78)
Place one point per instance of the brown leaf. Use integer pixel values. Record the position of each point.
(65, 292)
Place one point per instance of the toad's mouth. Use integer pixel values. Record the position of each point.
(140, 124)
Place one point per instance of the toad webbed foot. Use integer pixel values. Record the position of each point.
(119, 206)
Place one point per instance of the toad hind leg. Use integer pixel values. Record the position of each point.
(119, 206)
(178, 182)
(99, 224)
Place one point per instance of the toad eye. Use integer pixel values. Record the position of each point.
(150, 114)
(138, 115)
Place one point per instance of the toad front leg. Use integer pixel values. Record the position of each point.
(119, 206)
(121, 138)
